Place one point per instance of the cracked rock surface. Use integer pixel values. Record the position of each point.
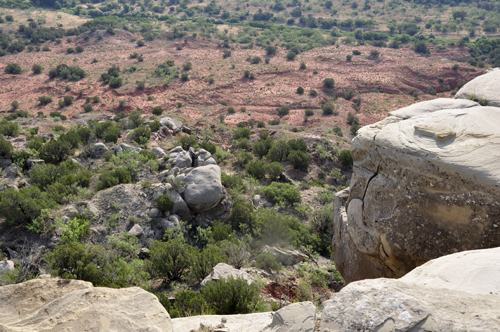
(426, 183)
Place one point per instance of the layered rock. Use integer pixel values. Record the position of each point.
(426, 183)
(483, 87)
(438, 296)
(72, 305)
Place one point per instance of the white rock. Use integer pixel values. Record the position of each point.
(171, 123)
(159, 152)
(223, 270)
(485, 86)
(136, 230)
(235, 323)
(296, 317)
(6, 266)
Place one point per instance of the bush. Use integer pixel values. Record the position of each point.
(79, 49)
(354, 129)
(421, 47)
(241, 133)
(273, 170)
(115, 82)
(248, 74)
(431, 91)
(356, 52)
(190, 303)
(37, 69)
(313, 93)
(284, 110)
(352, 119)
(107, 180)
(278, 152)
(329, 83)
(24, 205)
(70, 50)
(329, 109)
(345, 157)
(273, 122)
(56, 151)
(243, 143)
(164, 203)
(300, 90)
(13, 69)
(155, 126)
(268, 262)
(8, 128)
(374, 53)
(68, 100)
(210, 147)
(231, 296)
(290, 56)
(187, 142)
(299, 159)
(88, 108)
(309, 112)
(184, 77)
(348, 58)
(281, 193)
(349, 94)
(256, 169)
(231, 110)
(171, 259)
(157, 111)
(261, 124)
(204, 262)
(14, 104)
(303, 65)
(141, 134)
(187, 66)
(6, 148)
(261, 148)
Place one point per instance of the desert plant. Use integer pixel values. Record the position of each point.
(37, 69)
(329, 83)
(13, 69)
(164, 203)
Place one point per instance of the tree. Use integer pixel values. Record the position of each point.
(421, 47)
(15, 104)
(299, 159)
(329, 83)
(157, 111)
(345, 157)
(328, 108)
(56, 151)
(300, 90)
(13, 69)
(171, 259)
(37, 69)
(24, 205)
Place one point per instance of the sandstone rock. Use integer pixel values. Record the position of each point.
(180, 159)
(203, 188)
(100, 149)
(124, 146)
(73, 305)
(180, 206)
(173, 124)
(430, 106)
(159, 152)
(204, 158)
(485, 86)
(425, 184)
(297, 317)
(154, 212)
(136, 230)
(223, 270)
(256, 200)
(6, 266)
(473, 271)
(285, 256)
(234, 323)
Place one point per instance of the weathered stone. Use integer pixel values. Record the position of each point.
(144, 253)
(170, 123)
(159, 152)
(256, 200)
(5, 162)
(431, 106)
(73, 305)
(425, 184)
(124, 146)
(11, 172)
(285, 256)
(100, 149)
(180, 159)
(136, 230)
(223, 270)
(180, 206)
(6, 266)
(234, 323)
(154, 212)
(485, 87)
(203, 188)
(296, 317)
(443, 295)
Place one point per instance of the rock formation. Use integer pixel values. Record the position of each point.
(223, 270)
(73, 305)
(483, 87)
(442, 295)
(425, 184)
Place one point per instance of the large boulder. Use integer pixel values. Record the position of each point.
(180, 206)
(100, 149)
(258, 322)
(430, 298)
(170, 123)
(73, 305)
(223, 270)
(426, 183)
(203, 188)
(180, 158)
(483, 87)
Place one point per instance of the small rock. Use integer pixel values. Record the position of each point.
(223, 270)
(154, 212)
(159, 152)
(6, 266)
(124, 146)
(256, 200)
(136, 230)
(100, 149)
(144, 253)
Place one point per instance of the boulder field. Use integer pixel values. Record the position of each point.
(426, 183)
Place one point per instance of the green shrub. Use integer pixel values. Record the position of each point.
(204, 262)
(155, 126)
(282, 193)
(273, 122)
(231, 296)
(56, 151)
(261, 148)
(241, 133)
(299, 159)
(243, 158)
(24, 205)
(290, 56)
(309, 112)
(352, 119)
(273, 170)
(278, 152)
(268, 262)
(243, 143)
(256, 169)
(313, 93)
(329, 109)
(13, 69)
(141, 134)
(157, 111)
(184, 77)
(338, 131)
(345, 157)
(164, 203)
(190, 303)
(356, 52)
(6, 148)
(107, 180)
(348, 58)
(187, 66)
(74, 230)
(115, 82)
(329, 83)
(261, 124)
(297, 144)
(70, 50)
(284, 110)
(354, 129)
(44, 100)
(187, 142)
(210, 147)
(171, 259)
(37, 69)
(8, 128)
(349, 94)
(88, 108)
(68, 100)
(231, 110)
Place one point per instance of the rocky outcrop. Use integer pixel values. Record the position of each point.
(234, 323)
(170, 123)
(99, 150)
(124, 146)
(223, 270)
(434, 297)
(203, 188)
(286, 257)
(73, 305)
(483, 87)
(177, 157)
(425, 184)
